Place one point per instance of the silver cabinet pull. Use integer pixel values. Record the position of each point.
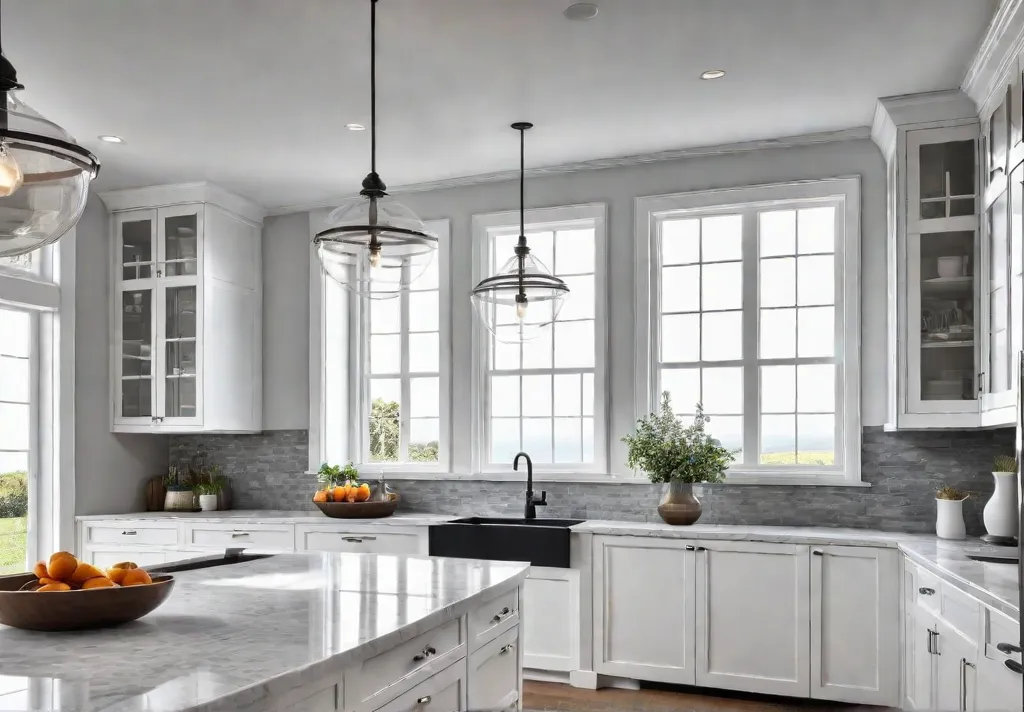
(426, 653)
(1014, 666)
(129, 532)
(925, 591)
(690, 547)
(358, 539)
(425, 700)
(701, 548)
(506, 649)
(1008, 648)
(818, 552)
(501, 614)
(239, 535)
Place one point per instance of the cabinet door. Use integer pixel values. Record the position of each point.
(942, 179)
(752, 617)
(999, 687)
(134, 319)
(855, 624)
(551, 631)
(179, 393)
(920, 683)
(955, 670)
(644, 608)
(494, 673)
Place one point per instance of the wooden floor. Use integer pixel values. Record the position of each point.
(563, 698)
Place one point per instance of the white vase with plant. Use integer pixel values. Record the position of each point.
(207, 493)
(949, 513)
(1001, 510)
(678, 456)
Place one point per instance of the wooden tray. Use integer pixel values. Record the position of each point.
(78, 610)
(358, 510)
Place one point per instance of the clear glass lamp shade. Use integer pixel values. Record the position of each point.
(406, 247)
(44, 180)
(513, 321)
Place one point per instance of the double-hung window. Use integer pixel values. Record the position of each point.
(546, 396)
(750, 306)
(390, 410)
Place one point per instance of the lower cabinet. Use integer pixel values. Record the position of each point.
(494, 673)
(321, 538)
(855, 618)
(105, 558)
(443, 692)
(753, 610)
(551, 628)
(956, 665)
(998, 686)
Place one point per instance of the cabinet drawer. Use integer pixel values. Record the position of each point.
(961, 611)
(106, 559)
(1000, 629)
(131, 533)
(493, 617)
(388, 668)
(376, 543)
(494, 673)
(210, 536)
(444, 692)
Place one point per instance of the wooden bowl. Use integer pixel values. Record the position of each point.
(358, 510)
(77, 610)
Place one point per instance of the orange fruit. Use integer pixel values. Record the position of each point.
(117, 572)
(98, 582)
(40, 570)
(363, 492)
(136, 577)
(340, 493)
(84, 572)
(43, 580)
(320, 496)
(54, 587)
(62, 566)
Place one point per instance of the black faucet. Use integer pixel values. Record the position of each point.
(531, 503)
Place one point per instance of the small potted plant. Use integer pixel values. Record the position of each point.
(208, 495)
(678, 456)
(1001, 511)
(949, 513)
(179, 497)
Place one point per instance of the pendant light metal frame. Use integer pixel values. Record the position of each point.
(520, 282)
(374, 189)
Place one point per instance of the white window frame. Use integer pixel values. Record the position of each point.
(339, 426)
(538, 219)
(846, 190)
(47, 292)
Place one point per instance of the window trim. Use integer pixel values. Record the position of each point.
(844, 188)
(538, 219)
(353, 391)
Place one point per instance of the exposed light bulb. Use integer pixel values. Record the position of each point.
(11, 176)
(521, 310)
(375, 257)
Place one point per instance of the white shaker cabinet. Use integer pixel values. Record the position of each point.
(752, 608)
(955, 670)
(855, 617)
(644, 608)
(186, 311)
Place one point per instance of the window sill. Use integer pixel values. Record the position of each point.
(608, 479)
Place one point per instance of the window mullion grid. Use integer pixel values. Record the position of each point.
(405, 409)
(751, 317)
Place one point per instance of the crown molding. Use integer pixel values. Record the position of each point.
(918, 110)
(852, 134)
(996, 58)
(156, 196)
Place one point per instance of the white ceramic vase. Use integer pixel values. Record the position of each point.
(949, 519)
(1001, 512)
(208, 502)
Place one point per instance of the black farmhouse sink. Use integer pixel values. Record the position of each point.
(540, 542)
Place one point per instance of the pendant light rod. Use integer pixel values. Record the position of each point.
(373, 86)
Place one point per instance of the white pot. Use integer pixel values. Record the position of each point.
(949, 519)
(208, 502)
(1001, 510)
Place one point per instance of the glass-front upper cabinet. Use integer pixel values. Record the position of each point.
(135, 318)
(942, 256)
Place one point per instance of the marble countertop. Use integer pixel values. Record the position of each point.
(236, 635)
(258, 516)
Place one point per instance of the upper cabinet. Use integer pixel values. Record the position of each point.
(186, 311)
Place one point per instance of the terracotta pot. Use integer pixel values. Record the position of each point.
(678, 504)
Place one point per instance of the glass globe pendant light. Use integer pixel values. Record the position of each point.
(44, 174)
(376, 247)
(523, 298)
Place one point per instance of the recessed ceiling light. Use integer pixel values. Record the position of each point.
(110, 139)
(355, 127)
(713, 74)
(581, 11)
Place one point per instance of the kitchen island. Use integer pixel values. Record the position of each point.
(311, 632)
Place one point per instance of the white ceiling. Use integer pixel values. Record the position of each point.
(253, 94)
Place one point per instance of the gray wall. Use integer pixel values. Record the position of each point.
(109, 468)
(903, 469)
(285, 244)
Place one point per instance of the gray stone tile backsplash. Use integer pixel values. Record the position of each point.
(904, 470)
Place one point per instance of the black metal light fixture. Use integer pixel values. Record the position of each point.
(523, 297)
(44, 174)
(376, 247)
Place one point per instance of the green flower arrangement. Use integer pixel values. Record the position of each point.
(668, 451)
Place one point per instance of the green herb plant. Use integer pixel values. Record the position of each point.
(336, 475)
(668, 451)
(207, 488)
(1004, 463)
(948, 492)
